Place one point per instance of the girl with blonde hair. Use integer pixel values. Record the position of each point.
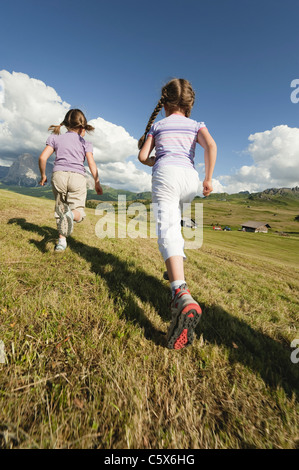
(175, 182)
(68, 178)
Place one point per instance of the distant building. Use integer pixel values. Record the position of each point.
(186, 222)
(252, 226)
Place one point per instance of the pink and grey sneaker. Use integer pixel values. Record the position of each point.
(185, 315)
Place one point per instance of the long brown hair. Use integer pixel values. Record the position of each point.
(177, 94)
(74, 119)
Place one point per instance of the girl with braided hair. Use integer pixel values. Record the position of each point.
(175, 182)
(68, 178)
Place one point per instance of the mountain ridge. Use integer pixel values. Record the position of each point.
(24, 173)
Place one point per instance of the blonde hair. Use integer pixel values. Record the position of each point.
(74, 119)
(177, 94)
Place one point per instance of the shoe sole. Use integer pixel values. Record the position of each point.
(183, 332)
(65, 226)
(59, 250)
(65, 223)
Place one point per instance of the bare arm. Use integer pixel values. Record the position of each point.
(94, 172)
(42, 162)
(144, 154)
(205, 139)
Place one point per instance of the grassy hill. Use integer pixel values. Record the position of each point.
(84, 335)
(276, 207)
(279, 211)
(110, 194)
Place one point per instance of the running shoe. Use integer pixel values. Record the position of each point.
(60, 246)
(65, 223)
(186, 314)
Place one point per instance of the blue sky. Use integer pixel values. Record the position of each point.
(111, 59)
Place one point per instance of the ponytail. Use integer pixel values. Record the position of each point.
(74, 119)
(55, 129)
(88, 128)
(151, 120)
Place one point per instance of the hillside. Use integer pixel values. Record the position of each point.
(110, 194)
(279, 210)
(24, 171)
(23, 177)
(83, 334)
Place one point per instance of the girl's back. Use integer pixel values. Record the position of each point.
(70, 149)
(175, 140)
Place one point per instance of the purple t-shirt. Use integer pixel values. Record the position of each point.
(175, 140)
(70, 149)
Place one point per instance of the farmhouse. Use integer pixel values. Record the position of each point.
(186, 222)
(252, 226)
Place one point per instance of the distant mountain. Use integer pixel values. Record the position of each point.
(3, 171)
(269, 193)
(25, 172)
(23, 176)
(111, 194)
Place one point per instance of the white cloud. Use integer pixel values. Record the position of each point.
(275, 155)
(6, 162)
(124, 175)
(28, 107)
(111, 143)
(1, 92)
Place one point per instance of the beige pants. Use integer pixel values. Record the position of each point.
(70, 188)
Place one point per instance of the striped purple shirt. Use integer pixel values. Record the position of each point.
(175, 140)
(70, 149)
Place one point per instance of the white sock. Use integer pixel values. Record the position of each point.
(175, 284)
(62, 241)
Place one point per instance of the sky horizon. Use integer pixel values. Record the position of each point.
(111, 60)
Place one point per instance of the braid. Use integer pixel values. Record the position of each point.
(151, 120)
(177, 94)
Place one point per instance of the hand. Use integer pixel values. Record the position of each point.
(207, 187)
(150, 161)
(43, 180)
(98, 188)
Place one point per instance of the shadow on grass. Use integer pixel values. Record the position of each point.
(122, 278)
(257, 351)
(262, 354)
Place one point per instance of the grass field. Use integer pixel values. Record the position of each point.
(84, 335)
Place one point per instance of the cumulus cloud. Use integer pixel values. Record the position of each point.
(111, 143)
(28, 106)
(122, 175)
(275, 155)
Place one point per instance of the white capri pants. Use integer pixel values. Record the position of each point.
(172, 186)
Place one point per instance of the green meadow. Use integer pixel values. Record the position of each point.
(84, 362)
